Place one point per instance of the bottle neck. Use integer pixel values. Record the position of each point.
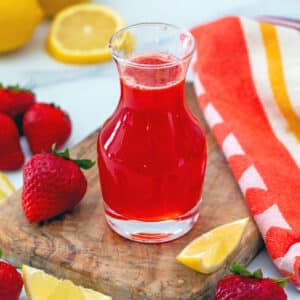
(153, 81)
(165, 98)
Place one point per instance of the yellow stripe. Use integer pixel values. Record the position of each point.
(276, 75)
(2, 196)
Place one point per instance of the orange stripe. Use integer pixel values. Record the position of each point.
(276, 75)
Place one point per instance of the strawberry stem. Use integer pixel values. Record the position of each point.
(82, 163)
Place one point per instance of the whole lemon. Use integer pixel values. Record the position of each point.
(51, 7)
(18, 20)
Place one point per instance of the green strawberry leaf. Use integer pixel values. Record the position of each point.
(18, 88)
(282, 281)
(258, 274)
(82, 163)
(240, 270)
(1, 252)
(65, 154)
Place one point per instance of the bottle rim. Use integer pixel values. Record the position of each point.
(131, 63)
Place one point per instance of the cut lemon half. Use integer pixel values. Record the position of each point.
(42, 286)
(6, 187)
(207, 253)
(52, 7)
(80, 34)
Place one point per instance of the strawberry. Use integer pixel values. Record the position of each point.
(244, 285)
(15, 101)
(23, 99)
(45, 124)
(11, 282)
(7, 105)
(53, 184)
(11, 155)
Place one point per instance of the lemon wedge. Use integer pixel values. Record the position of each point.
(80, 33)
(207, 253)
(42, 286)
(6, 187)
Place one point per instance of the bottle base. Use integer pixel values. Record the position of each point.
(152, 232)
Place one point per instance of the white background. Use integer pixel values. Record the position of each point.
(90, 93)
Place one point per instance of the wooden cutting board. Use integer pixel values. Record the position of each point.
(81, 247)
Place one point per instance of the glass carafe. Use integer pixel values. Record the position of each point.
(152, 151)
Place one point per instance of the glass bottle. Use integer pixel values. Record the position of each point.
(152, 151)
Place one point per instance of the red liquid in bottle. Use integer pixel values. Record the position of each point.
(152, 151)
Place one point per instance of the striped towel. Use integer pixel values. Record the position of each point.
(247, 79)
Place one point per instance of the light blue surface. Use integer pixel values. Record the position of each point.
(90, 93)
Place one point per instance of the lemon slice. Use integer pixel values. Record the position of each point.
(42, 286)
(80, 33)
(6, 187)
(207, 253)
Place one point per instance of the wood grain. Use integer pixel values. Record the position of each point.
(81, 247)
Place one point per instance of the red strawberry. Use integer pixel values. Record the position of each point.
(53, 184)
(15, 101)
(11, 282)
(23, 99)
(11, 155)
(244, 285)
(7, 105)
(44, 124)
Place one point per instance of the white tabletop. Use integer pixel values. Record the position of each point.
(91, 93)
